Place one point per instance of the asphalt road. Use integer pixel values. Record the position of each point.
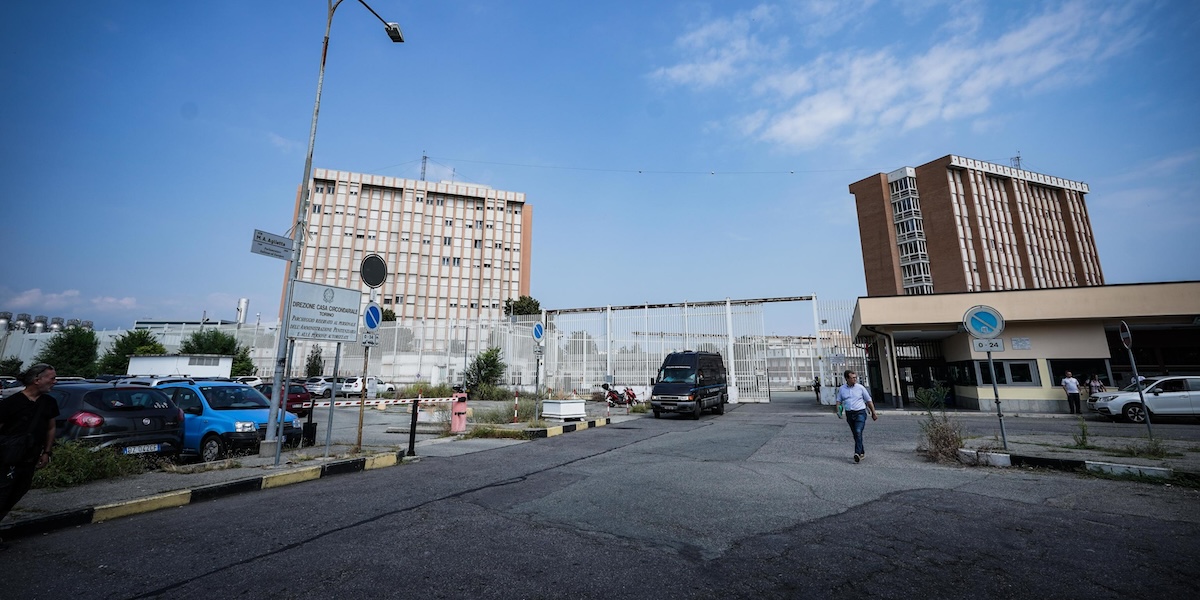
(762, 502)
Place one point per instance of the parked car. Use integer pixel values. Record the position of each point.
(250, 381)
(689, 383)
(153, 381)
(1165, 396)
(9, 386)
(220, 417)
(297, 396)
(130, 419)
(322, 386)
(354, 385)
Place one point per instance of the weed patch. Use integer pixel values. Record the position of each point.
(487, 431)
(74, 464)
(941, 435)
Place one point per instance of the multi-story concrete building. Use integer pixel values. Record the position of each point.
(963, 225)
(453, 250)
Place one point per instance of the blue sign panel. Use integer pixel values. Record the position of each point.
(983, 322)
(538, 332)
(372, 316)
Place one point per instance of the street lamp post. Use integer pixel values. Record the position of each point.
(271, 440)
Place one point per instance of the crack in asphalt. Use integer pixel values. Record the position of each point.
(454, 496)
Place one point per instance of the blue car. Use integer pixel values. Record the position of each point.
(224, 416)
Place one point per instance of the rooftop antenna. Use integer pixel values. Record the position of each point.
(423, 159)
(1015, 161)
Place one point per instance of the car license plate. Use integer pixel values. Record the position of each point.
(144, 448)
(667, 408)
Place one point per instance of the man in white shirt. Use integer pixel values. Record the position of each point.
(1070, 385)
(856, 400)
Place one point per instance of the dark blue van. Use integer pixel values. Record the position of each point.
(690, 383)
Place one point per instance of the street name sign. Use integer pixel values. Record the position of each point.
(983, 322)
(269, 244)
(323, 312)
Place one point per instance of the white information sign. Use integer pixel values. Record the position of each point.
(988, 345)
(323, 312)
(269, 244)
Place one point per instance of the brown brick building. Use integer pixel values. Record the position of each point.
(962, 225)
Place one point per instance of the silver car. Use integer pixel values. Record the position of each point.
(1165, 396)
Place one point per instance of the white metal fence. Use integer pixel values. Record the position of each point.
(583, 348)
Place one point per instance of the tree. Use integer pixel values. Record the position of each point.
(525, 305)
(138, 341)
(315, 365)
(242, 364)
(209, 341)
(389, 314)
(72, 352)
(214, 341)
(487, 369)
(10, 366)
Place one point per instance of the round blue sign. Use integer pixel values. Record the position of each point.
(983, 322)
(372, 316)
(538, 332)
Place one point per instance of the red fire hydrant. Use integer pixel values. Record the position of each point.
(458, 414)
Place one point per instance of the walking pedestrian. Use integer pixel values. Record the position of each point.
(1070, 385)
(856, 400)
(28, 418)
(817, 387)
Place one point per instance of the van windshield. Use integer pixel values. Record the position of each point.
(677, 374)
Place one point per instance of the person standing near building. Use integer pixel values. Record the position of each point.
(1070, 385)
(1094, 385)
(856, 400)
(29, 412)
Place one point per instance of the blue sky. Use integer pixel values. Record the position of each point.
(146, 141)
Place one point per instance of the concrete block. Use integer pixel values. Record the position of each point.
(1120, 469)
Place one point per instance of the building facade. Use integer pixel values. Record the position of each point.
(453, 250)
(962, 225)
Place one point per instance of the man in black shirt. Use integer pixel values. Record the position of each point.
(30, 412)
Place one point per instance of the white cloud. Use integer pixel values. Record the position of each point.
(852, 93)
(36, 300)
(109, 303)
(719, 50)
(283, 143)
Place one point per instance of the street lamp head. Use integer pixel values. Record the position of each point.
(393, 31)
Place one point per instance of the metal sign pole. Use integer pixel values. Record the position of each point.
(1137, 380)
(283, 401)
(412, 427)
(333, 385)
(996, 393)
(362, 403)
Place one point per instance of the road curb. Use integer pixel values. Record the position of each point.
(567, 428)
(1001, 459)
(97, 514)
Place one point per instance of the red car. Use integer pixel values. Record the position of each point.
(296, 397)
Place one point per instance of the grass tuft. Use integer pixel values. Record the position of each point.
(74, 464)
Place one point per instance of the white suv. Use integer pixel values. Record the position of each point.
(1165, 396)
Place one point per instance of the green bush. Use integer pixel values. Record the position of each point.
(75, 463)
(491, 393)
(526, 407)
(425, 390)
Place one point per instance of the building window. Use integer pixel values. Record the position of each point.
(1009, 373)
(457, 261)
(478, 244)
(445, 241)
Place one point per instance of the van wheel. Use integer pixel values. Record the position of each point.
(212, 448)
(658, 414)
(699, 409)
(720, 407)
